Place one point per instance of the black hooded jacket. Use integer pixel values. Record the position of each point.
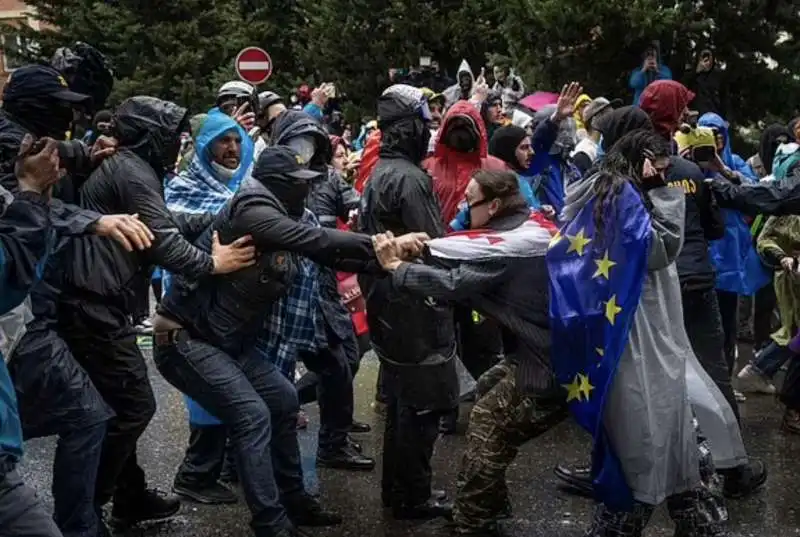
(399, 197)
(130, 182)
(229, 311)
(293, 123)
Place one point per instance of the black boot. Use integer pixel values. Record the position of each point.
(436, 495)
(425, 511)
(212, 493)
(744, 480)
(307, 511)
(360, 427)
(148, 505)
(579, 478)
(345, 458)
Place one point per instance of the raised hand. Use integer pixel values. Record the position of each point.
(37, 166)
(565, 106)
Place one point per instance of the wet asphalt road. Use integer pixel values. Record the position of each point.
(541, 508)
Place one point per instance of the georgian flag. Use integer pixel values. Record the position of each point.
(531, 239)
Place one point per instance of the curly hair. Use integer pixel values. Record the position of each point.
(623, 164)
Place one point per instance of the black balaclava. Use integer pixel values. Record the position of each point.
(504, 143)
(461, 134)
(292, 193)
(43, 116)
(617, 123)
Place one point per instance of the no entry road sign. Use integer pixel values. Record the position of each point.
(253, 65)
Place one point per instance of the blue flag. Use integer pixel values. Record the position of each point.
(596, 282)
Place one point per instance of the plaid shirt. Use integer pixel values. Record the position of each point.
(295, 322)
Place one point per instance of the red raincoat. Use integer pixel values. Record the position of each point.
(664, 101)
(451, 170)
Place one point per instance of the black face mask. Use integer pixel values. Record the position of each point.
(462, 139)
(292, 193)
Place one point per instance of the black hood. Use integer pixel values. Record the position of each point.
(621, 121)
(403, 132)
(292, 123)
(151, 129)
(504, 143)
(771, 138)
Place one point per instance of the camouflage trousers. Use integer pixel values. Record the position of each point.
(501, 421)
(697, 513)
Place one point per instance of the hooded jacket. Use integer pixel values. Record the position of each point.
(399, 197)
(503, 145)
(451, 170)
(710, 91)
(229, 311)
(772, 137)
(293, 123)
(737, 264)
(101, 272)
(453, 94)
(665, 102)
(550, 168)
(640, 80)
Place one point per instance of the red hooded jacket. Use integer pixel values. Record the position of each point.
(369, 159)
(665, 101)
(451, 170)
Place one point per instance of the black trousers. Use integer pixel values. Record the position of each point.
(703, 322)
(790, 391)
(763, 309)
(205, 455)
(118, 371)
(729, 316)
(332, 387)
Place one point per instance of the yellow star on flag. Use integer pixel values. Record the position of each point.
(603, 266)
(612, 310)
(573, 390)
(578, 242)
(585, 387)
(601, 353)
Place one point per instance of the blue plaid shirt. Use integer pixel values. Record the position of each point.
(295, 322)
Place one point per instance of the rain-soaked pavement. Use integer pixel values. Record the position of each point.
(541, 509)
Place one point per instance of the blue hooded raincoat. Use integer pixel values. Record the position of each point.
(739, 269)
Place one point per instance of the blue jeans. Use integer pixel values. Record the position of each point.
(770, 360)
(259, 406)
(21, 513)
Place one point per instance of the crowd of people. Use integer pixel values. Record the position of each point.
(546, 256)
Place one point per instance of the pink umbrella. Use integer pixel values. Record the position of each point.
(539, 100)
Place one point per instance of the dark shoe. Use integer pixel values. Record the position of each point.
(494, 531)
(287, 532)
(228, 476)
(426, 511)
(355, 445)
(436, 495)
(791, 422)
(346, 458)
(151, 505)
(209, 494)
(307, 511)
(359, 427)
(744, 480)
(579, 478)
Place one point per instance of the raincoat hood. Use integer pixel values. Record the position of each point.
(665, 101)
(150, 128)
(464, 68)
(403, 132)
(583, 100)
(715, 121)
(452, 170)
(215, 125)
(292, 123)
(621, 121)
(468, 110)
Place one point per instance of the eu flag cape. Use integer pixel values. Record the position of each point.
(596, 280)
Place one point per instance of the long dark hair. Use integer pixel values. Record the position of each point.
(623, 164)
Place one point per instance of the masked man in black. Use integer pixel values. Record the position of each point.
(333, 367)
(206, 331)
(99, 291)
(54, 393)
(413, 337)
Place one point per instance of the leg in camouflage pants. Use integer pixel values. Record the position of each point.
(697, 513)
(501, 421)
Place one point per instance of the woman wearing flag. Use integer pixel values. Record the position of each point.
(496, 267)
(620, 349)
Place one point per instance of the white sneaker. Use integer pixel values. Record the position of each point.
(753, 381)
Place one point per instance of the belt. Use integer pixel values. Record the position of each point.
(167, 338)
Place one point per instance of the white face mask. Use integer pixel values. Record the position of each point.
(305, 146)
(223, 173)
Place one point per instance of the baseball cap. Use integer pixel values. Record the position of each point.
(596, 106)
(281, 160)
(33, 81)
